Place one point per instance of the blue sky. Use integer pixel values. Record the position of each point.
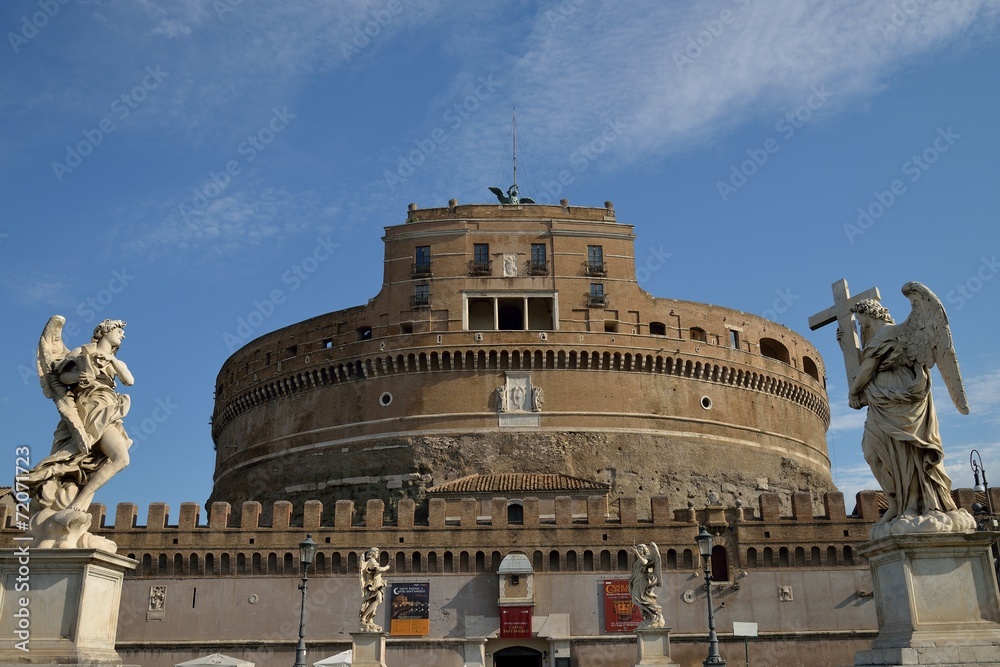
(175, 163)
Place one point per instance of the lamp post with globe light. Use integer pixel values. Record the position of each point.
(704, 540)
(307, 551)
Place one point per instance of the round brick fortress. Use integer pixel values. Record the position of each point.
(513, 338)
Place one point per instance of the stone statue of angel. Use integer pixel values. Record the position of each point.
(90, 445)
(647, 575)
(901, 440)
(372, 589)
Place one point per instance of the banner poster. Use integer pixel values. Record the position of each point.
(410, 609)
(620, 615)
(515, 622)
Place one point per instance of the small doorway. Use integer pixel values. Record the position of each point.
(517, 656)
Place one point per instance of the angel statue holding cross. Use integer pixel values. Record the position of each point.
(890, 374)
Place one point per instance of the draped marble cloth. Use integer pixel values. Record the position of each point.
(901, 441)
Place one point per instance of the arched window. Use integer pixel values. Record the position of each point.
(697, 333)
(480, 561)
(848, 556)
(800, 556)
(809, 366)
(657, 329)
(571, 561)
(553, 561)
(432, 562)
(400, 562)
(463, 561)
(225, 562)
(193, 564)
(831, 555)
(768, 557)
(605, 560)
(783, 557)
(320, 564)
(178, 564)
(814, 557)
(289, 564)
(255, 564)
(774, 349)
(449, 562)
(751, 557)
(536, 561)
(210, 564)
(622, 560)
(720, 563)
(588, 560)
(415, 562)
(515, 513)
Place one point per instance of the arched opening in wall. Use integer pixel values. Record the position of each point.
(193, 567)
(800, 556)
(352, 563)
(210, 564)
(432, 562)
(697, 333)
(504, 360)
(774, 349)
(147, 564)
(320, 565)
(480, 561)
(671, 559)
(561, 360)
(605, 560)
(400, 562)
(622, 560)
(495, 560)
(550, 359)
(783, 557)
(225, 564)
(463, 561)
(538, 359)
(415, 562)
(178, 564)
(435, 361)
(573, 364)
(510, 314)
(288, 566)
(848, 556)
(517, 656)
(831, 555)
(751, 558)
(588, 560)
(364, 333)
(809, 366)
(814, 557)
(481, 315)
(536, 561)
(571, 562)
(657, 329)
(493, 360)
(720, 563)
(255, 565)
(241, 563)
(449, 562)
(336, 563)
(687, 560)
(553, 561)
(768, 557)
(272, 563)
(515, 513)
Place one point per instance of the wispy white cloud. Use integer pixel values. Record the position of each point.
(35, 289)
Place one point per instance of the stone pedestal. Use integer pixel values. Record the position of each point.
(61, 605)
(654, 647)
(936, 599)
(368, 649)
(474, 653)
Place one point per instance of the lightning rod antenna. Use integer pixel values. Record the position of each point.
(514, 126)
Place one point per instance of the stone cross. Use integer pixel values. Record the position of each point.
(840, 312)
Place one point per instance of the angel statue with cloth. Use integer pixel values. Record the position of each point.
(647, 575)
(901, 441)
(90, 445)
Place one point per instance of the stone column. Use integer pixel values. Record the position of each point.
(60, 606)
(936, 600)
(368, 649)
(653, 647)
(474, 653)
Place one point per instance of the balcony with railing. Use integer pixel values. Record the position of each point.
(420, 300)
(595, 269)
(421, 270)
(538, 268)
(596, 300)
(481, 267)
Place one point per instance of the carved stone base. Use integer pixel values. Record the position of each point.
(61, 605)
(936, 599)
(368, 649)
(654, 647)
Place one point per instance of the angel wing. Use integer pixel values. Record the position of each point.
(504, 199)
(51, 351)
(926, 339)
(654, 557)
(527, 200)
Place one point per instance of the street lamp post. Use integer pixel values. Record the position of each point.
(977, 467)
(704, 540)
(307, 551)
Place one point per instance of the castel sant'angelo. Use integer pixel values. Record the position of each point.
(506, 420)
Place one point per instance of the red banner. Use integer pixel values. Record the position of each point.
(515, 622)
(620, 615)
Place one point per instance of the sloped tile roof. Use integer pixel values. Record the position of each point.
(518, 482)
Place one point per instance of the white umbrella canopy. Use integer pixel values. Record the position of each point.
(216, 660)
(342, 659)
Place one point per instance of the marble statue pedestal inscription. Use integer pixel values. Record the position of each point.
(654, 647)
(72, 597)
(368, 649)
(936, 600)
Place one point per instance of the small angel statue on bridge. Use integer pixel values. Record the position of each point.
(647, 575)
(90, 445)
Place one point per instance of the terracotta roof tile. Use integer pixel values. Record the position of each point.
(518, 482)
